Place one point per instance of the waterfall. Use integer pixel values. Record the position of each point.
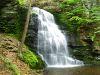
(52, 43)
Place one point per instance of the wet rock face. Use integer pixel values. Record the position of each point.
(4, 3)
(31, 38)
(7, 9)
(8, 15)
(88, 53)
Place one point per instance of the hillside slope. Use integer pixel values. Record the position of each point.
(10, 63)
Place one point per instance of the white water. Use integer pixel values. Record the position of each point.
(52, 43)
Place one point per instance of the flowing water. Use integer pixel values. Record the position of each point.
(52, 43)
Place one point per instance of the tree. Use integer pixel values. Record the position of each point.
(25, 28)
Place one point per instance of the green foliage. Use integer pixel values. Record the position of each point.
(80, 21)
(20, 20)
(73, 15)
(78, 10)
(31, 59)
(95, 13)
(22, 2)
(97, 30)
(70, 1)
(9, 65)
(92, 37)
(88, 60)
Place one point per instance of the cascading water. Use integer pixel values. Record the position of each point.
(52, 43)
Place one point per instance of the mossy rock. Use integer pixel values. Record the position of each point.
(33, 60)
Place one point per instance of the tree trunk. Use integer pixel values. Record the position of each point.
(25, 28)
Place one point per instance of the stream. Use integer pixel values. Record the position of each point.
(82, 70)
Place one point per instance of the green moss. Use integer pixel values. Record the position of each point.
(20, 20)
(9, 65)
(32, 59)
(29, 58)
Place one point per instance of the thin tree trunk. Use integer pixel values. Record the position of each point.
(25, 28)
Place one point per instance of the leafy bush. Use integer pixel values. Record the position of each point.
(32, 59)
(22, 2)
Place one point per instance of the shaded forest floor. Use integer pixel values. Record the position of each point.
(10, 63)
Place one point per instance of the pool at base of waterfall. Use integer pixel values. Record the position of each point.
(79, 70)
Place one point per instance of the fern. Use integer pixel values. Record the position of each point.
(97, 30)
(95, 13)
